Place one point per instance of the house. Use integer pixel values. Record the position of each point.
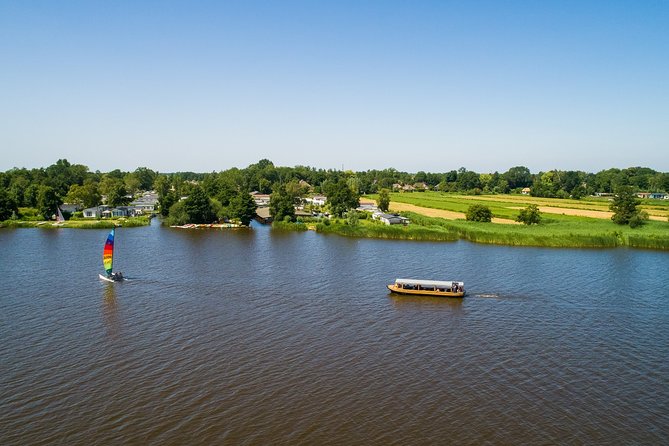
(147, 203)
(658, 196)
(317, 200)
(390, 219)
(260, 199)
(526, 191)
(95, 212)
(263, 215)
(107, 212)
(367, 207)
(643, 194)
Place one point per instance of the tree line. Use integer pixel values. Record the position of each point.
(227, 191)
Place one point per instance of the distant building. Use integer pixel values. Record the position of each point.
(317, 200)
(526, 191)
(390, 219)
(147, 203)
(260, 199)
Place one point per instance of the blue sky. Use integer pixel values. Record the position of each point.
(430, 86)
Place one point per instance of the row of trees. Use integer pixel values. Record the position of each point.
(62, 182)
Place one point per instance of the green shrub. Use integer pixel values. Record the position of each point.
(479, 212)
(530, 215)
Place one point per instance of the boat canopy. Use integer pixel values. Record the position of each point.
(428, 283)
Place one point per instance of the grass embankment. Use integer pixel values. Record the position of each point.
(372, 229)
(78, 224)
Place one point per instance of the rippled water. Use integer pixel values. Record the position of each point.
(262, 337)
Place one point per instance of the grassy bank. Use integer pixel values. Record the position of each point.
(556, 231)
(368, 229)
(373, 229)
(559, 232)
(78, 224)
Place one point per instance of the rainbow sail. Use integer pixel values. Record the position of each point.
(108, 253)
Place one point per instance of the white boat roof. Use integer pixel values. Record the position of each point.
(436, 283)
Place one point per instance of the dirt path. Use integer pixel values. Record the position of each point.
(450, 215)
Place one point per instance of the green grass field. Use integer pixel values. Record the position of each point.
(506, 206)
(555, 230)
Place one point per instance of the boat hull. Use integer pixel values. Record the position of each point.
(109, 279)
(398, 290)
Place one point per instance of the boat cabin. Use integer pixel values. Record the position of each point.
(428, 287)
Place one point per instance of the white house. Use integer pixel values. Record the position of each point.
(317, 200)
(95, 212)
(390, 219)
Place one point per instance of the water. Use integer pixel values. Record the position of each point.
(262, 337)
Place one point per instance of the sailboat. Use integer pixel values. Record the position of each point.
(60, 220)
(108, 260)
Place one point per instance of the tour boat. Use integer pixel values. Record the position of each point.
(108, 260)
(428, 287)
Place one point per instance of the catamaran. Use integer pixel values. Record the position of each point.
(428, 287)
(108, 260)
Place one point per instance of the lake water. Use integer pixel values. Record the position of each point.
(263, 337)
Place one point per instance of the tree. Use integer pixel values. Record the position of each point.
(243, 207)
(468, 180)
(479, 212)
(177, 214)
(282, 203)
(146, 177)
(383, 202)
(7, 205)
(86, 195)
(198, 207)
(518, 176)
(116, 194)
(340, 197)
(47, 201)
(530, 215)
(624, 206)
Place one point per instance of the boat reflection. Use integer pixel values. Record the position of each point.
(110, 310)
(404, 302)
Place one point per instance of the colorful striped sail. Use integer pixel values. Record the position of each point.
(108, 253)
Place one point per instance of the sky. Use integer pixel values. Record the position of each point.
(414, 85)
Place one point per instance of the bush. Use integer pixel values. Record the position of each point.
(479, 212)
(530, 215)
(636, 221)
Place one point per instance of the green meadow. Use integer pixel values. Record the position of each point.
(555, 230)
(507, 206)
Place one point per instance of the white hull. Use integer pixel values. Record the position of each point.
(103, 277)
